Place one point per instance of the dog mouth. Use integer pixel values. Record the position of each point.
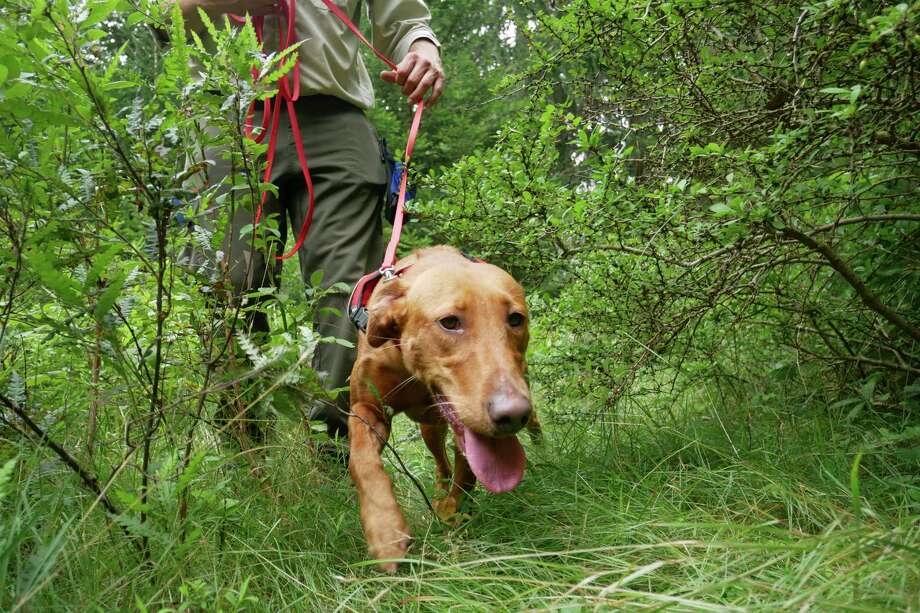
(498, 463)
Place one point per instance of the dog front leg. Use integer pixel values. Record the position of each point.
(445, 506)
(384, 526)
(463, 482)
(433, 435)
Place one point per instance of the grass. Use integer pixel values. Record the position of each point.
(704, 514)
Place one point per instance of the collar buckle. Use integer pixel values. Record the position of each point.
(388, 273)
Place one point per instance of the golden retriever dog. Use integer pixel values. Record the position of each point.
(445, 345)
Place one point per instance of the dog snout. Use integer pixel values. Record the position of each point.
(509, 412)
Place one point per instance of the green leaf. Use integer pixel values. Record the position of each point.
(855, 91)
(6, 475)
(845, 403)
(839, 92)
(208, 24)
(63, 286)
(133, 525)
(246, 230)
(134, 19)
(42, 559)
(101, 263)
(116, 85)
(17, 90)
(94, 34)
(11, 64)
(192, 470)
(286, 402)
(108, 297)
(854, 486)
(38, 7)
(98, 11)
(284, 67)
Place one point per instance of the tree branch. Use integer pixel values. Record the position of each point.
(867, 296)
(866, 219)
(88, 479)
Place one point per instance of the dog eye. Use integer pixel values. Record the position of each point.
(451, 323)
(515, 320)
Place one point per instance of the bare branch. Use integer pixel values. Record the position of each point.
(88, 479)
(866, 295)
(866, 219)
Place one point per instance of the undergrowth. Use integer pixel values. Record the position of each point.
(704, 511)
(712, 207)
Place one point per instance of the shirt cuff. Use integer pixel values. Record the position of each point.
(402, 49)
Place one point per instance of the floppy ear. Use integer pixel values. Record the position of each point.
(385, 312)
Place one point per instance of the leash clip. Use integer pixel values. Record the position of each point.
(387, 273)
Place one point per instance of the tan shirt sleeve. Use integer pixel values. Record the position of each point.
(396, 24)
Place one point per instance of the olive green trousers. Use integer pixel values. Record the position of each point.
(345, 239)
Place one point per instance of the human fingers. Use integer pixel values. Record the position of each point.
(436, 91)
(419, 72)
(402, 71)
(424, 85)
(405, 68)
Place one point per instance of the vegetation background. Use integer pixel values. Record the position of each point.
(713, 206)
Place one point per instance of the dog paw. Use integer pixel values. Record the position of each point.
(446, 508)
(442, 484)
(394, 549)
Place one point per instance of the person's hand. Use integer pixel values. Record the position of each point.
(419, 72)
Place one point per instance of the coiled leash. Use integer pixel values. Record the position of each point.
(288, 93)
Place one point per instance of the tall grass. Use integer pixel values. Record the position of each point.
(709, 512)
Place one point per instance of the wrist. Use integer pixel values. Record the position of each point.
(423, 45)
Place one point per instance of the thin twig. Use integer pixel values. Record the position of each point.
(88, 479)
(865, 293)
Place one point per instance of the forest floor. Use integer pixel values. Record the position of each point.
(709, 511)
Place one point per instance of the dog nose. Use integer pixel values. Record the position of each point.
(509, 412)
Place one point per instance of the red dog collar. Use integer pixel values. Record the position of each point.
(361, 294)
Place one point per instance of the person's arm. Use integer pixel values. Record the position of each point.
(400, 29)
(217, 8)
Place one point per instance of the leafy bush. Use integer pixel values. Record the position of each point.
(710, 193)
(713, 208)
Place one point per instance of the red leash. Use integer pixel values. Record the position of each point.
(288, 93)
(357, 302)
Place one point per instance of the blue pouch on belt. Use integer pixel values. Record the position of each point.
(394, 176)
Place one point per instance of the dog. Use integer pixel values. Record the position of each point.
(445, 344)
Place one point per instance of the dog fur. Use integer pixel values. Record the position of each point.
(411, 361)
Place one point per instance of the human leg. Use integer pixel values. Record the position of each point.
(345, 239)
(229, 274)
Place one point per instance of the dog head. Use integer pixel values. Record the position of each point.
(462, 328)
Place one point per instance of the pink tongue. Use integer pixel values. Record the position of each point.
(498, 463)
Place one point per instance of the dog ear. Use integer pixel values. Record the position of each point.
(385, 310)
